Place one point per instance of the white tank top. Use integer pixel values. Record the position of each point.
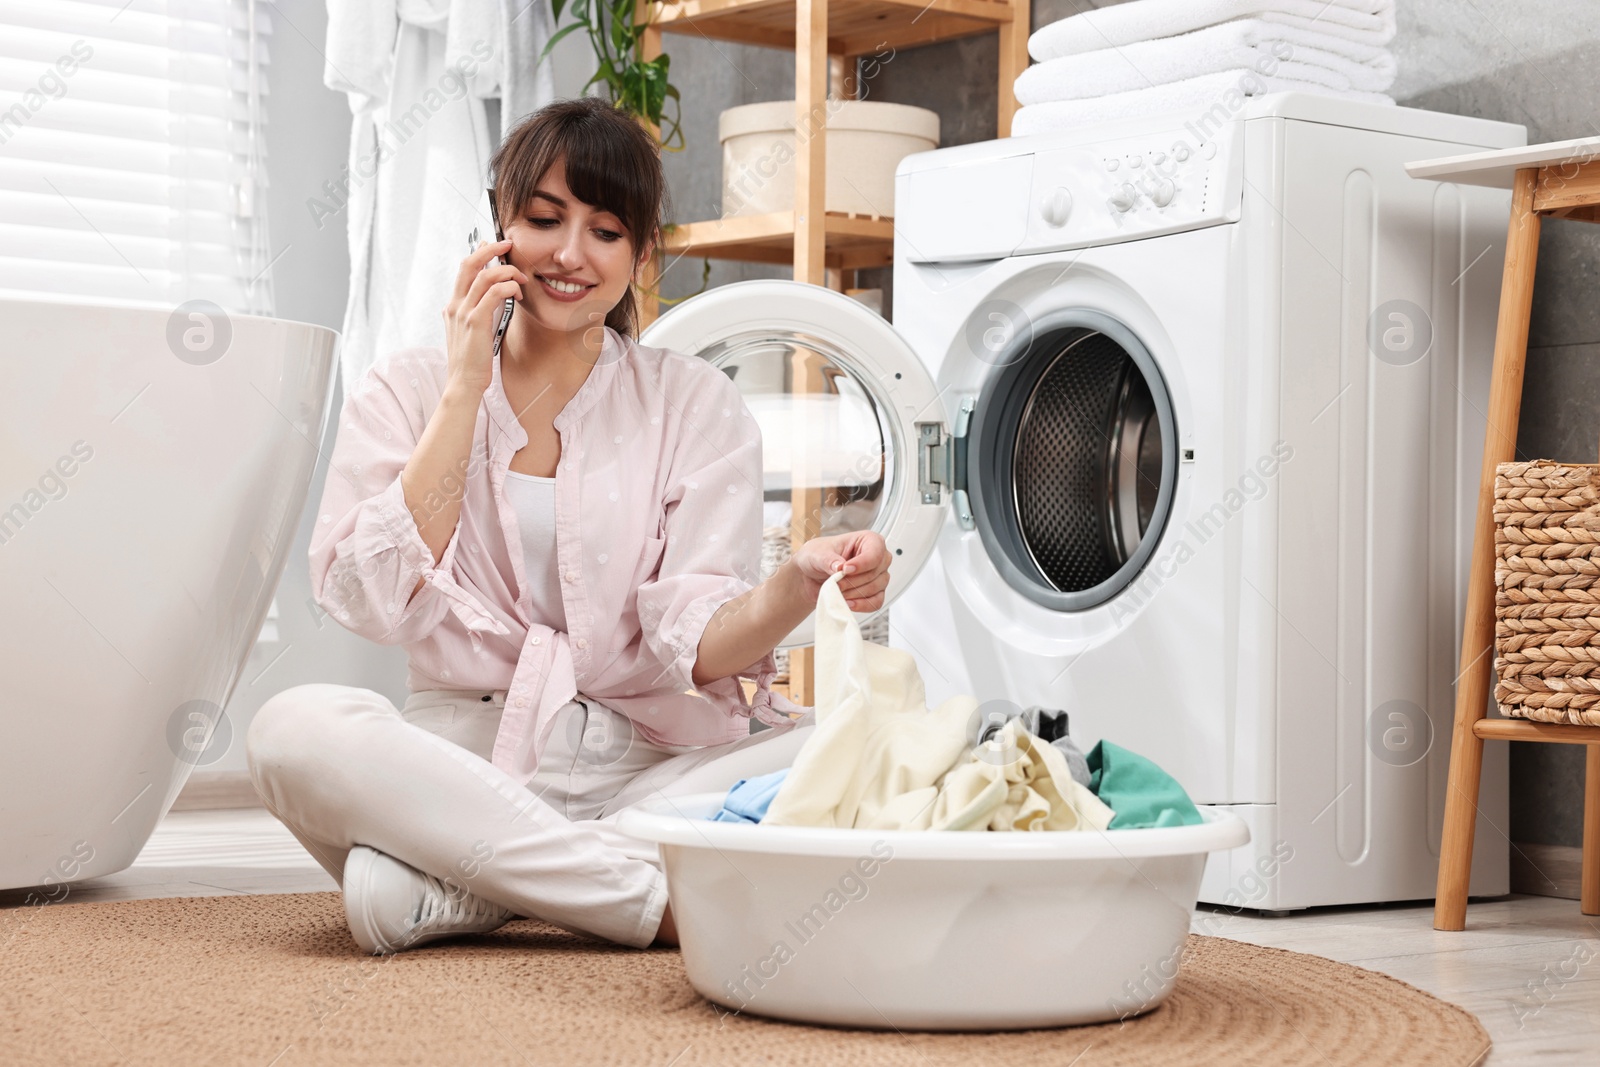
(534, 500)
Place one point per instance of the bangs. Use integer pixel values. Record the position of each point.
(611, 165)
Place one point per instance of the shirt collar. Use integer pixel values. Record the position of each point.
(613, 350)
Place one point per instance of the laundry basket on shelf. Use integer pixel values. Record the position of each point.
(1547, 597)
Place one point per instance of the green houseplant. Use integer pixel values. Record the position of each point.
(636, 85)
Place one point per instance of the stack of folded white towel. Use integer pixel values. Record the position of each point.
(1151, 56)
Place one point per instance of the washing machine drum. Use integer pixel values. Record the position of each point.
(1072, 463)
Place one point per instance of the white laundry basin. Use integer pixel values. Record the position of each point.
(154, 468)
(948, 931)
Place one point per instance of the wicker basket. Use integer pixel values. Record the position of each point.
(1547, 607)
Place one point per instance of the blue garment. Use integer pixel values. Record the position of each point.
(749, 798)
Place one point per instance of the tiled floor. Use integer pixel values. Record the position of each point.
(1529, 967)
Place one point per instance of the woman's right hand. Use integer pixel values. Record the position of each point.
(482, 288)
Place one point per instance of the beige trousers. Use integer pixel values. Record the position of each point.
(341, 766)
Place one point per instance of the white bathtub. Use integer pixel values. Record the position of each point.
(152, 474)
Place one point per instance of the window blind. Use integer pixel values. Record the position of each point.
(132, 161)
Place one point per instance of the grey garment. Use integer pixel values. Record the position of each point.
(1049, 724)
(1077, 762)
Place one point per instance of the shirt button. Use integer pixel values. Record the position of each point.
(583, 642)
(536, 640)
(522, 702)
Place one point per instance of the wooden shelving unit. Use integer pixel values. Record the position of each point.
(852, 242)
(826, 248)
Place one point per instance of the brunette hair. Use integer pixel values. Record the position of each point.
(612, 163)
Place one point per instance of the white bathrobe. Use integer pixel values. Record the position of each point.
(417, 73)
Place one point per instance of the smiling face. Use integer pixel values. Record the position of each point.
(579, 258)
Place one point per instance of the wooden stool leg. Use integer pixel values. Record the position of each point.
(1590, 896)
(1499, 446)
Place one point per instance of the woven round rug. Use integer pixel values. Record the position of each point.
(277, 981)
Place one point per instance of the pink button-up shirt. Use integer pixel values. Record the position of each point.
(658, 523)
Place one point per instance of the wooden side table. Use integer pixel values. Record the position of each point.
(1562, 180)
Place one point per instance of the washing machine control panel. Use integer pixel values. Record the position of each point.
(1139, 186)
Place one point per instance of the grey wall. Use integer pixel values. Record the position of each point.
(1496, 59)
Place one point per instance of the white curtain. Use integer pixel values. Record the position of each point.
(417, 74)
(131, 152)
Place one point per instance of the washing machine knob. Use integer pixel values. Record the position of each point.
(1124, 197)
(1056, 206)
(1164, 192)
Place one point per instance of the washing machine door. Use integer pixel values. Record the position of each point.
(1070, 460)
(843, 404)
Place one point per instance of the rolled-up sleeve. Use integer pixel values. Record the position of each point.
(713, 539)
(366, 551)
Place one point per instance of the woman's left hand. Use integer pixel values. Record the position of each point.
(862, 556)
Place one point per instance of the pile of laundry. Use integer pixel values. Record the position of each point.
(879, 759)
(1152, 56)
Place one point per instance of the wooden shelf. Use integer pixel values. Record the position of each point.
(1530, 730)
(856, 27)
(854, 242)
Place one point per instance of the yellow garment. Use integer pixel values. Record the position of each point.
(1015, 781)
(879, 759)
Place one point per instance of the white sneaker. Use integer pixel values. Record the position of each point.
(392, 906)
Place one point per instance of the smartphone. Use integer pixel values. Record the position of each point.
(511, 304)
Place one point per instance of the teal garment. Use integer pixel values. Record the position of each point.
(1141, 794)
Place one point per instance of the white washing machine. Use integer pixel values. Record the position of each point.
(1177, 428)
